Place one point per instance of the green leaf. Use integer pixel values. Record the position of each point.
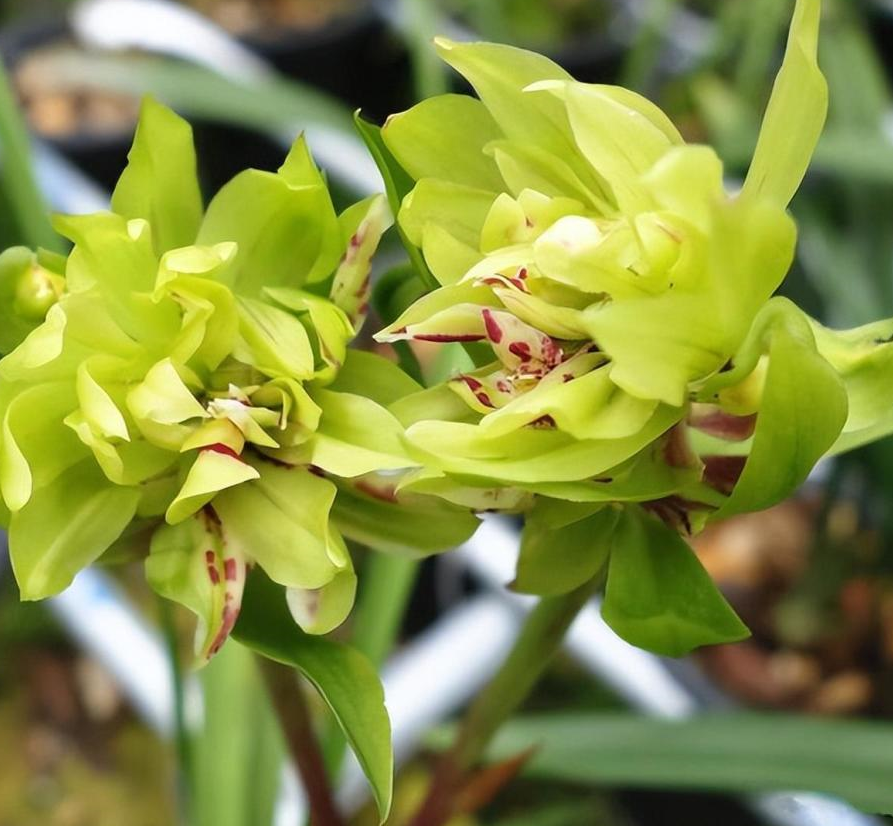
(17, 181)
(397, 185)
(160, 182)
(795, 115)
(344, 678)
(735, 753)
(802, 412)
(396, 180)
(66, 526)
(658, 596)
(563, 547)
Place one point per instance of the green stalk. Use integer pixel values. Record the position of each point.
(536, 645)
(182, 741)
(422, 23)
(642, 58)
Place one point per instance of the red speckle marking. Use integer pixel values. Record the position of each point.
(213, 573)
(567, 377)
(522, 273)
(503, 386)
(385, 494)
(316, 471)
(521, 349)
(229, 569)
(484, 399)
(230, 616)
(226, 450)
(494, 331)
(440, 338)
(473, 384)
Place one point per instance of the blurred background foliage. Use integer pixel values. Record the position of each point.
(813, 578)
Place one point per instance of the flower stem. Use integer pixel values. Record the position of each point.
(539, 640)
(290, 705)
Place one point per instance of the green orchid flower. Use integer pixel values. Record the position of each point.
(643, 379)
(181, 391)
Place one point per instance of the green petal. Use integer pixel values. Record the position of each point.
(284, 224)
(802, 412)
(795, 115)
(863, 358)
(36, 447)
(273, 341)
(362, 226)
(500, 75)
(370, 512)
(696, 326)
(280, 520)
(328, 326)
(160, 184)
(526, 166)
(66, 526)
(444, 137)
(658, 596)
(457, 209)
(587, 407)
(450, 313)
(618, 141)
(117, 257)
(162, 403)
(210, 321)
(189, 563)
(211, 472)
(530, 455)
(355, 436)
(99, 411)
(321, 610)
(373, 376)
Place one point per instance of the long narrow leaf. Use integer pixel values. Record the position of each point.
(728, 753)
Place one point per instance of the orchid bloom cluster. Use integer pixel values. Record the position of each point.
(641, 378)
(172, 386)
(180, 386)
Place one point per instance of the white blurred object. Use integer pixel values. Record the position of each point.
(164, 27)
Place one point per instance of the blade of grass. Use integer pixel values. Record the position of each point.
(422, 23)
(730, 753)
(238, 753)
(31, 224)
(268, 104)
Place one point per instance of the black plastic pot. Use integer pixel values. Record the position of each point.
(100, 152)
(354, 57)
